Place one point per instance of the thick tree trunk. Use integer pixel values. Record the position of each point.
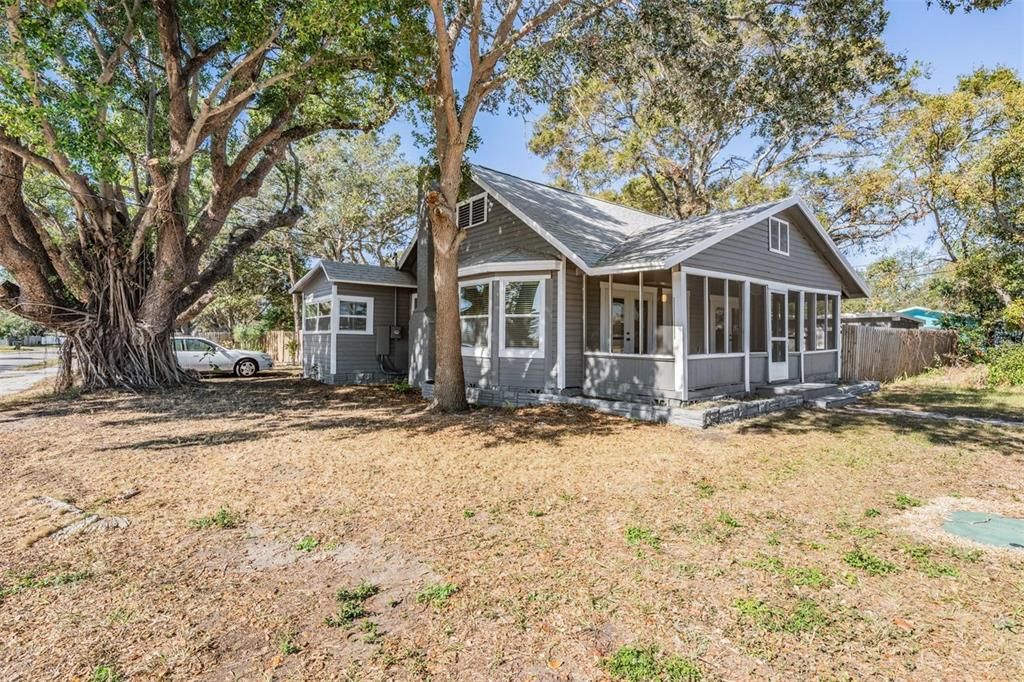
(128, 357)
(449, 384)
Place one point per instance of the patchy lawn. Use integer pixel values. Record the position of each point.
(955, 390)
(280, 529)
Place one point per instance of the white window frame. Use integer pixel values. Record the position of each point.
(478, 351)
(778, 224)
(316, 299)
(476, 197)
(537, 352)
(368, 300)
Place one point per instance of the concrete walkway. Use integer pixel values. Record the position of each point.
(22, 369)
(935, 416)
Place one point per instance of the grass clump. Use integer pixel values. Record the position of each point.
(806, 616)
(968, 555)
(402, 387)
(637, 535)
(436, 595)
(728, 520)
(286, 643)
(350, 604)
(704, 488)
(643, 664)
(869, 563)
(105, 673)
(921, 555)
(307, 544)
(906, 502)
(806, 576)
(222, 518)
(872, 513)
(32, 582)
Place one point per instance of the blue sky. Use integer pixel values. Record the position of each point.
(949, 45)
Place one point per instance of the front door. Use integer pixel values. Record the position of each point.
(778, 361)
(625, 321)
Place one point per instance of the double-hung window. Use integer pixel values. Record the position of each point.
(522, 318)
(355, 315)
(316, 314)
(475, 314)
(472, 211)
(778, 236)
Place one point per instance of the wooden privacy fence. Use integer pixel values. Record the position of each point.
(274, 342)
(884, 354)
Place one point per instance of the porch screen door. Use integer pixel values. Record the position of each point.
(778, 361)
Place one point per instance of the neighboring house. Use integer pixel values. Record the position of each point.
(891, 320)
(567, 294)
(929, 319)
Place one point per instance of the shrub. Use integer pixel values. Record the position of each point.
(249, 336)
(1006, 365)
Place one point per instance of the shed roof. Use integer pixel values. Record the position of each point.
(357, 273)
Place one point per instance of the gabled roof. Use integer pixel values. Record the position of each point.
(581, 227)
(357, 273)
(657, 245)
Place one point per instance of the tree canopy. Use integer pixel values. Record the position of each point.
(129, 133)
(700, 105)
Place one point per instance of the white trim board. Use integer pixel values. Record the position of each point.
(560, 325)
(509, 266)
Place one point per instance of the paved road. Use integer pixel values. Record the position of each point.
(22, 369)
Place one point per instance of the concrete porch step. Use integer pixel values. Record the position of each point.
(832, 400)
(808, 390)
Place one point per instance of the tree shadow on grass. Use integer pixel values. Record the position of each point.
(967, 402)
(247, 410)
(1006, 441)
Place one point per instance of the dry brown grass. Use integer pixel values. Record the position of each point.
(526, 511)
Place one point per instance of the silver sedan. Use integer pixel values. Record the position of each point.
(205, 356)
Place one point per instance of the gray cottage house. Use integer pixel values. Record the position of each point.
(570, 295)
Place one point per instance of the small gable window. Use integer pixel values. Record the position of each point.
(778, 236)
(472, 211)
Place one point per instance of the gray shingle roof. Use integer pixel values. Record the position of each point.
(366, 274)
(656, 244)
(585, 226)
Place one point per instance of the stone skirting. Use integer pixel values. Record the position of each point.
(648, 411)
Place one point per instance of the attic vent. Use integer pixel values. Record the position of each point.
(472, 211)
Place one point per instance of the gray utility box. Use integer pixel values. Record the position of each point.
(384, 334)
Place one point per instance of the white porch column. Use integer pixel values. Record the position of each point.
(839, 337)
(640, 307)
(334, 330)
(679, 331)
(800, 332)
(746, 335)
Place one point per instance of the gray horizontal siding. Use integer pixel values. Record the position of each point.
(758, 370)
(747, 254)
(502, 231)
(316, 355)
(821, 366)
(623, 377)
(713, 372)
(357, 353)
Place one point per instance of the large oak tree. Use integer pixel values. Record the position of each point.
(130, 131)
(492, 46)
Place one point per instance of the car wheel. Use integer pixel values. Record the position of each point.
(246, 368)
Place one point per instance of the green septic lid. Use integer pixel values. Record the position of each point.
(988, 529)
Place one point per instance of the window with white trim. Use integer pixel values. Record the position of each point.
(522, 318)
(778, 236)
(355, 315)
(472, 211)
(475, 316)
(316, 314)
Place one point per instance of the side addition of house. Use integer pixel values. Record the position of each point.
(566, 294)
